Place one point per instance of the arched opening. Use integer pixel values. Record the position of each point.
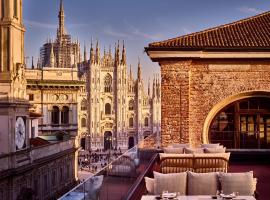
(65, 115)
(83, 143)
(55, 115)
(108, 109)
(108, 83)
(84, 105)
(83, 122)
(131, 105)
(146, 122)
(108, 140)
(130, 142)
(131, 122)
(243, 124)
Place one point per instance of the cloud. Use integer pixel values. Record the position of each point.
(136, 32)
(44, 25)
(131, 32)
(109, 31)
(185, 30)
(40, 24)
(249, 10)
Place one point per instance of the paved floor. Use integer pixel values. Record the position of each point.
(261, 172)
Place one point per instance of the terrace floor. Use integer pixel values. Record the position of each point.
(116, 188)
(261, 172)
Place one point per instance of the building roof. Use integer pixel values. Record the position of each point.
(252, 33)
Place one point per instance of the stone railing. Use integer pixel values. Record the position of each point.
(24, 157)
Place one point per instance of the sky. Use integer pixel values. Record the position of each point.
(137, 22)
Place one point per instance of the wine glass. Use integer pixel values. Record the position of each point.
(164, 193)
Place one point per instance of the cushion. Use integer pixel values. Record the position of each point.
(181, 145)
(237, 182)
(174, 150)
(172, 155)
(214, 150)
(149, 183)
(210, 145)
(174, 182)
(202, 183)
(193, 150)
(213, 155)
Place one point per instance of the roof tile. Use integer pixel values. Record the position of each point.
(252, 32)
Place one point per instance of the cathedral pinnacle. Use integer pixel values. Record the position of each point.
(139, 70)
(130, 73)
(85, 56)
(124, 58)
(97, 53)
(51, 64)
(92, 55)
(149, 87)
(61, 17)
(117, 55)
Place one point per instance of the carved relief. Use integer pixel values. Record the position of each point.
(19, 82)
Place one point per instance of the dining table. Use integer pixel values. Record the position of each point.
(196, 197)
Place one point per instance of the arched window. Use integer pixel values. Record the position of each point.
(108, 109)
(65, 115)
(131, 122)
(243, 124)
(83, 122)
(84, 104)
(146, 121)
(55, 115)
(108, 83)
(131, 104)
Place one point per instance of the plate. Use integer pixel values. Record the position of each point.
(227, 196)
(169, 195)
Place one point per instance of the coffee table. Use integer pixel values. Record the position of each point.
(196, 197)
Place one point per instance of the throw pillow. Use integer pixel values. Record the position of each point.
(174, 150)
(214, 150)
(149, 183)
(202, 183)
(210, 145)
(181, 145)
(174, 182)
(193, 150)
(237, 182)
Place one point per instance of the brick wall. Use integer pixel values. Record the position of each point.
(192, 88)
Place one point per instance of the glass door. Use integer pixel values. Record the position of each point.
(249, 131)
(264, 135)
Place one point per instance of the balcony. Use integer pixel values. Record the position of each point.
(123, 178)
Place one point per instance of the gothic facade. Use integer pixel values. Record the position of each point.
(121, 112)
(97, 97)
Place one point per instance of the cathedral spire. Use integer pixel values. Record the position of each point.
(110, 51)
(92, 55)
(33, 63)
(97, 53)
(130, 73)
(117, 55)
(139, 75)
(61, 17)
(85, 56)
(124, 58)
(51, 63)
(154, 87)
(149, 87)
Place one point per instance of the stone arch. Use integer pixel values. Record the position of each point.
(219, 106)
